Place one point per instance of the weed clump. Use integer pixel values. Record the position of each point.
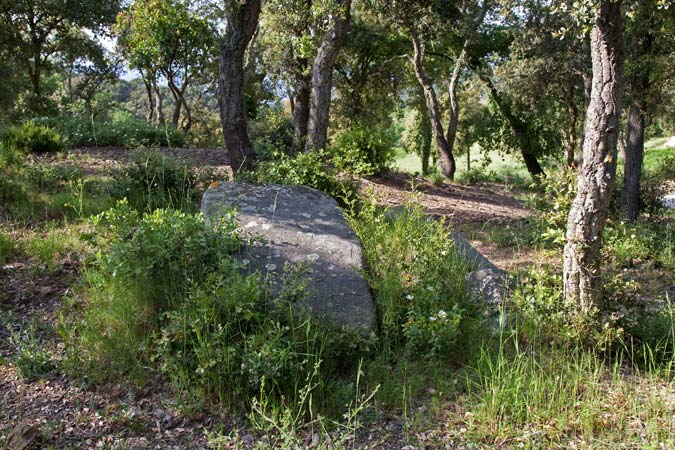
(420, 282)
(32, 138)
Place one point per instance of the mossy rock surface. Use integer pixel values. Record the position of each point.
(303, 228)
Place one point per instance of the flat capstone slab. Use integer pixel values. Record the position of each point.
(301, 227)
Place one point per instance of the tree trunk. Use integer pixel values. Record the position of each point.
(528, 148)
(447, 160)
(35, 73)
(633, 157)
(572, 135)
(159, 102)
(322, 78)
(301, 107)
(586, 220)
(242, 21)
(148, 91)
(635, 142)
(451, 135)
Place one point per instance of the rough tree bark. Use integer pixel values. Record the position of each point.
(572, 131)
(633, 157)
(303, 88)
(447, 160)
(242, 21)
(635, 138)
(586, 220)
(322, 77)
(159, 103)
(453, 123)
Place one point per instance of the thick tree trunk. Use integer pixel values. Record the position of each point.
(322, 78)
(447, 160)
(586, 221)
(242, 21)
(35, 73)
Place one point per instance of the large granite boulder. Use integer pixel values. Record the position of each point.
(301, 227)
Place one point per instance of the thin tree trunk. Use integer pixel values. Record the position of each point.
(148, 91)
(572, 135)
(635, 142)
(528, 148)
(447, 160)
(159, 102)
(451, 135)
(322, 78)
(301, 106)
(633, 157)
(586, 221)
(242, 21)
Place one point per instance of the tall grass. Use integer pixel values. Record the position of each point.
(542, 397)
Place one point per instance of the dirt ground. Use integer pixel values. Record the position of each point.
(68, 415)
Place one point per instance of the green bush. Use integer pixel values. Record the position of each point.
(159, 181)
(6, 248)
(148, 267)
(48, 177)
(271, 132)
(363, 151)
(419, 279)
(124, 130)
(305, 169)
(9, 155)
(32, 138)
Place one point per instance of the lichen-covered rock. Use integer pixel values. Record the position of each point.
(303, 227)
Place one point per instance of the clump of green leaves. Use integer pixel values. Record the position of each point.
(362, 150)
(305, 169)
(31, 358)
(419, 279)
(32, 138)
(159, 181)
(147, 266)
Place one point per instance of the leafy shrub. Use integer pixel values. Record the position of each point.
(227, 342)
(271, 132)
(363, 151)
(32, 138)
(124, 130)
(419, 279)
(9, 155)
(305, 169)
(554, 204)
(477, 175)
(159, 181)
(148, 267)
(6, 248)
(47, 177)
